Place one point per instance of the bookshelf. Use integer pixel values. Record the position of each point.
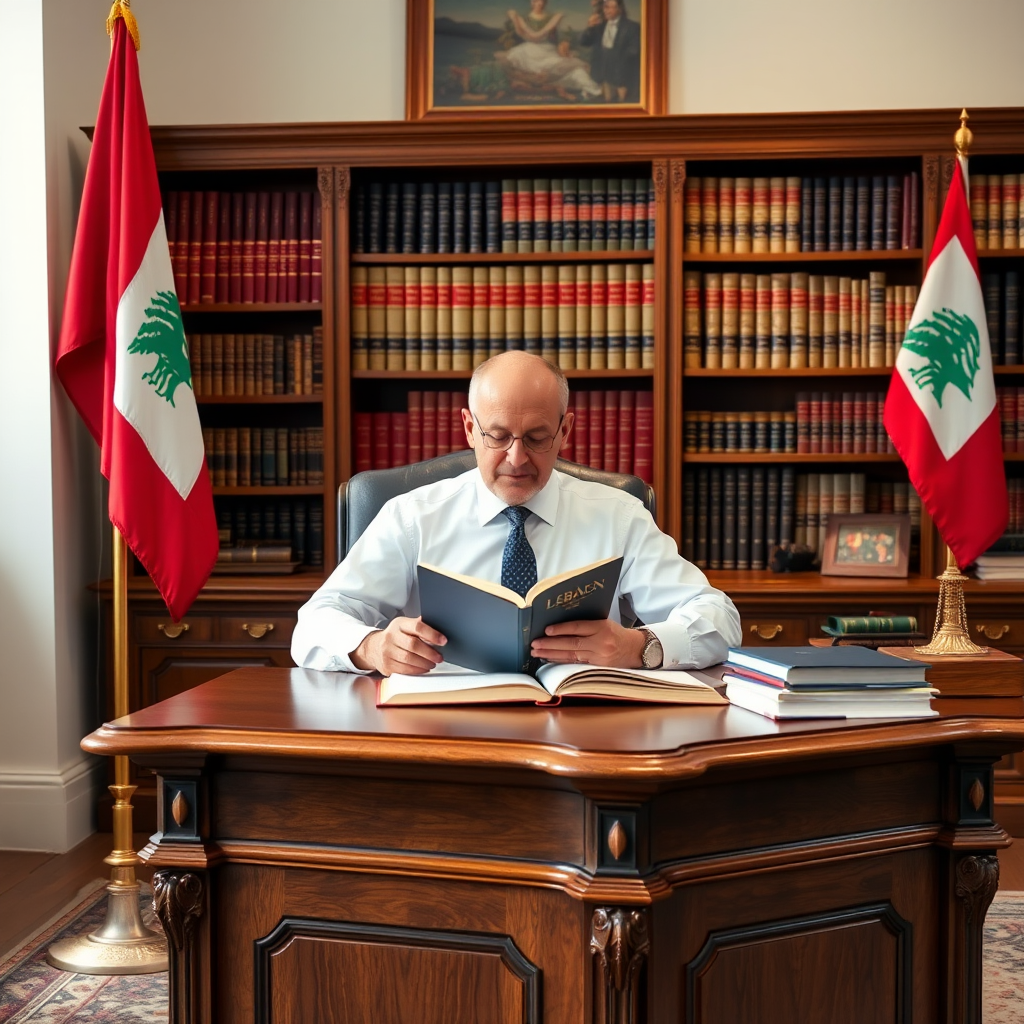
(337, 160)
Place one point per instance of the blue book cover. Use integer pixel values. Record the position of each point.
(809, 667)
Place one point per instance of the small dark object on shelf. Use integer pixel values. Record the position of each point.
(788, 557)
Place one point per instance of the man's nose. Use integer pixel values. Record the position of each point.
(516, 455)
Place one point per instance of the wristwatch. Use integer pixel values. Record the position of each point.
(653, 655)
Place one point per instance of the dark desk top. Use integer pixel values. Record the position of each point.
(302, 714)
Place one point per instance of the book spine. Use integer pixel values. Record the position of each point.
(713, 320)
(595, 440)
(627, 212)
(780, 321)
(743, 495)
(360, 198)
(905, 211)
(524, 215)
(878, 221)
(460, 218)
(632, 315)
(763, 322)
(570, 197)
(689, 514)
(787, 504)
(863, 216)
(582, 317)
(496, 310)
(514, 307)
(1011, 210)
(806, 214)
(616, 316)
(730, 320)
(555, 211)
(428, 218)
(408, 217)
(360, 319)
(692, 216)
(376, 316)
(893, 210)
(820, 229)
(771, 511)
(1011, 319)
(726, 214)
(249, 249)
(509, 227)
(444, 422)
(428, 319)
(318, 360)
(541, 215)
(728, 543)
(798, 320)
(583, 215)
(979, 210)
(567, 316)
(692, 355)
(475, 217)
(647, 342)
(643, 449)
(169, 202)
(532, 307)
(481, 318)
(757, 518)
(849, 215)
(598, 214)
(992, 294)
(316, 260)
(610, 444)
(581, 430)
(275, 233)
(305, 267)
(742, 214)
(624, 442)
(652, 212)
(844, 324)
(709, 214)
(208, 252)
(222, 286)
(395, 318)
(445, 324)
(549, 313)
(195, 247)
(835, 214)
(759, 215)
(776, 214)
(598, 317)
(444, 218)
(429, 430)
(793, 209)
(748, 317)
(291, 249)
(715, 518)
(995, 212)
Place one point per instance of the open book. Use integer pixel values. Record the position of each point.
(490, 628)
(552, 683)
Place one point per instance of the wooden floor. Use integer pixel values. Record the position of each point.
(36, 886)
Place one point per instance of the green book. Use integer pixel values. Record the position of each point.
(843, 625)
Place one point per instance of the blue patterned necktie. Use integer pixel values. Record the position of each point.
(518, 563)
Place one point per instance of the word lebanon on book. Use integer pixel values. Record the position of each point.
(941, 409)
(122, 356)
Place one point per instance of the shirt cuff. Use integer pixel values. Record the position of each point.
(346, 633)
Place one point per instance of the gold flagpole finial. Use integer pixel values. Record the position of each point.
(123, 9)
(964, 136)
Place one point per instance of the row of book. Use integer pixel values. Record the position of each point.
(613, 431)
(1002, 315)
(1015, 496)
(735, 516)
(775, 321)
(995, 211)
(511, 215)
(298, 522)
(264, 456)
(793, 214)
(598, 316)
(848, 422)
(245, 246)
(257, 364)
(1011, 418)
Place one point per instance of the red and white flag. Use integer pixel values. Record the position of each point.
(123, 357)
(941, 410)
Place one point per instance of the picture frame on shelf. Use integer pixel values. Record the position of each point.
(867, 544)
(470, 59)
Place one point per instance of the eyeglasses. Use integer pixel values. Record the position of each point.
(502, 440)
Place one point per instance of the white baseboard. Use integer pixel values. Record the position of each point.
(51, 812)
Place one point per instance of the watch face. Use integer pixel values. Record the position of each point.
(653, 654)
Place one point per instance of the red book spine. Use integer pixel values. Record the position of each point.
(364, 441)
(291, 248)
(249, 249)
(259, 267)
(803, 422)
(414, 403)
(611, 432)
(181, 246)
(1020, 424)
(846, 421)
(581, 449)
(595, 456)
(814, 409)
(274, 247)
(170, 206)
(826, 423)
(381, 440)
(208, 253)
(305, 243)
(444, 422)
(195, 249)
(643, 446)
(859, 432)
(316, 259)
(555, 208)
(237, 234)
(627, 418)
(399, 439)
(429, 424)
(223, 287)
(870, 418)
(460, 401)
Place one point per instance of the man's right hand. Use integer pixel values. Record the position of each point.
(403, 646)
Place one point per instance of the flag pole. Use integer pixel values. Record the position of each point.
(950, 637)
(122, 944)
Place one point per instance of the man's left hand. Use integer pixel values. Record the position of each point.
(593, 642)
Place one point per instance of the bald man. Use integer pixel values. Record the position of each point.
(512, 520)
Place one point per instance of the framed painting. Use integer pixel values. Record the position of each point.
(866, 545)
(527, 58)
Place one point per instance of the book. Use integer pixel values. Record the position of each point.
(826, 667)
(551, 684)
(490, 628)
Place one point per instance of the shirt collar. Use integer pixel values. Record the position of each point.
(544, 504)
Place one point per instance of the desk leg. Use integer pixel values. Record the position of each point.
(619, 945)
(977, 878)
(178, 901)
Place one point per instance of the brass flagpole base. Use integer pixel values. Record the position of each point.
(950, 637)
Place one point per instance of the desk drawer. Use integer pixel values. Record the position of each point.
(997, 630)
(159, 629)
(774, 630)
(256, 628)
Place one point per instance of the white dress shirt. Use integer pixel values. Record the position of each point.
(611, 30)
(457, 524)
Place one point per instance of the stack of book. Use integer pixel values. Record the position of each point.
(826, 682)
(1002, 562)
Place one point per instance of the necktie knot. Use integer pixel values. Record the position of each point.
(516, 515)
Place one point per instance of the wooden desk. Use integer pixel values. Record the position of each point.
(327, 861)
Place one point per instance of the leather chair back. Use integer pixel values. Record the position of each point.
(364, 495)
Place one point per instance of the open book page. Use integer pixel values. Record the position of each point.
(668, 685)
(459, 686)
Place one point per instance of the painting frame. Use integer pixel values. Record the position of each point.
(841, 559)
(421, 102)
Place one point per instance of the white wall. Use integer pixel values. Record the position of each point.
(223, 61)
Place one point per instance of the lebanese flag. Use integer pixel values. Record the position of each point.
(941, 410)
(122, 355)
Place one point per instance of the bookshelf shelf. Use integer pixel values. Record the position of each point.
(846, 256)
(1000, 254)
(456, 258)
(804, 458)
(259, 399)
(253, 307)
(269, 492)
(810, 371)
(1008, 371)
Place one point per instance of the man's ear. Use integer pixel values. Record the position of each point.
(467, 424)
(567, 423)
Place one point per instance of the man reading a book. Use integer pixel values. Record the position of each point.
(513, 520)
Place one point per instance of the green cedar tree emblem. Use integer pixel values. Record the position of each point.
(950, 344)
(162, 335)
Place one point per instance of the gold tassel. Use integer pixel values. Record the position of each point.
(122, 9)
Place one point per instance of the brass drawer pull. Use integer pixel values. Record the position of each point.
(173, 630)
(258, 629)
(766, 632)
(993, 632)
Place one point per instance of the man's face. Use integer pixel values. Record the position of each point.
(611, 10)
(528, 408)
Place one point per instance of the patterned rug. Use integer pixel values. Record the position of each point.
(33, 992)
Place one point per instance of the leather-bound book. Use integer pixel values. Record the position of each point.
(541, 215)
(757, 517)
(318, 360)
(862, 239)
(376, 319)
(381, 440)
(905, 231)
(598, 214)
(362, 441)
(787, 504)
(358, 217)
(305, 267)
(759, 215)
(995, 211)
(613, 214)
(208, 253)
(374, 217)
(399, 451)
(743, 517)
(1011, 319)
(803, 422)
(871, 417)
(742, 215)
(570, 204)
(582, 317)
(992, 293)
(169, 204)
(514, 307)
(730, 320)
(815, 319)
(549, 312)
(414, 407)
(567, 316)
(197, 215)
(428, 218)
(460, 216)
(715, 518)
(610, 444)
(599, 317)
(444, 219)
(222, 285)
(392, 218)
(647, 341)
(429, 424)
(849, 214)
(444, 318)
(531, 308)
(748, 318)
(844, 325)
(581, 429)
(979, 209)
(632, 316)
(260, 248)
(291, 249)
(709, 214)
(689, 515)
(726, 214)
(762, 323)
(395, 318)
(428, 320)
(890, 325)
(616, 316)
(729, 517)
(409, 217)
(555, 214)
(180, 262)
(713, 320)
(228, 364)
(248, 247)
(627, 212)
(820, 229)
(1011, 210)
(893, 210)
(798, 320)
(509, 225)
(462, 319)
(475, 216)
(459, 401)
(652, 212)
(624, 439)
(793, 210)
(876, 319)
(771, 509)
(807, 215)
(780, 321)
(444, 422)
(276, 288)
(643, 445)
(584, 214)
(316, 259)
(777, 214)
(595, 439)
(878, 192)
(411, 306)
(524, 215)
(692, 354)
(495, 310)
(481, 317)
(217, 364)
(835, 213)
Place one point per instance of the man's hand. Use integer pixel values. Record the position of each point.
(403, 646)
(594, 642)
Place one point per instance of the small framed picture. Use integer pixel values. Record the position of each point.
(515, 58)
(866, 545)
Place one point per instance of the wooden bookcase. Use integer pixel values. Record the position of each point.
(775, 608)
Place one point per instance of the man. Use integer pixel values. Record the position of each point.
(615, 52)
(509, 520)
